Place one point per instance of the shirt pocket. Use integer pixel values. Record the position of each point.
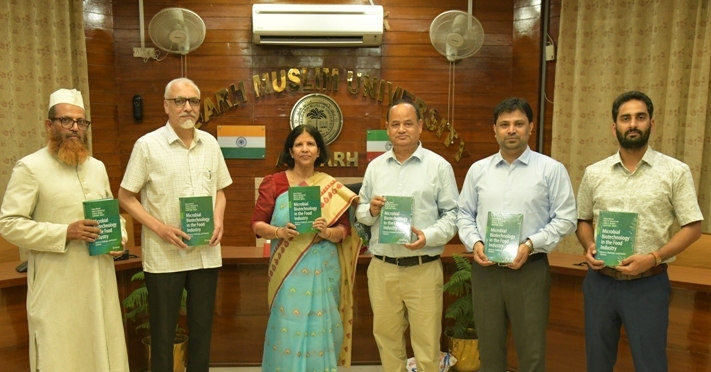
(208, 181)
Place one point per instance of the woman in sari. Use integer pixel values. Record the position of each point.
(310, 274)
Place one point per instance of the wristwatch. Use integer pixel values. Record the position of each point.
(657, 258)
(529, 244)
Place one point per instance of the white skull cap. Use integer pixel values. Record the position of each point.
(70, 96)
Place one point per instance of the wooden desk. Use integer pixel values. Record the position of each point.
(9, 277)
(681, 277)
(241, 314)
(689, 332)
(14, 338)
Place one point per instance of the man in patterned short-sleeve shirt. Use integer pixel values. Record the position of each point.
(636, 293)
(173, 161)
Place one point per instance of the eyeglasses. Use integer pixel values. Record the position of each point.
(180, 101)
(68, 123)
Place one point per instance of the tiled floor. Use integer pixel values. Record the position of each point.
(259, 369)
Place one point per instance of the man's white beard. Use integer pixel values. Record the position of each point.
(188, 124)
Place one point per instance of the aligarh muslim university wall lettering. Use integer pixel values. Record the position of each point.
(323, 79)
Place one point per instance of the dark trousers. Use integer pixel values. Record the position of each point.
(521, 297)
(165, 291)
(641, 305)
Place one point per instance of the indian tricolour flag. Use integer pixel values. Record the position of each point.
(242, 141)
(377, 143)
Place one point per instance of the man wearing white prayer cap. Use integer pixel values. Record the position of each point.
(69, 96)
(73, 309)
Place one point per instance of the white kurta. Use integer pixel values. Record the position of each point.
(73, 309)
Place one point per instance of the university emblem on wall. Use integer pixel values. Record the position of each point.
(320, 111)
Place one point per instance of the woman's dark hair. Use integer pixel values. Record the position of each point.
(285, 156)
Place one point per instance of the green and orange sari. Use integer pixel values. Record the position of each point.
(310, 296)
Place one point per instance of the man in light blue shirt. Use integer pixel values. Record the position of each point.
(405, 280)
(514, 180)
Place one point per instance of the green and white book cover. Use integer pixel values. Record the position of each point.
(106, 213)
(304, 207)
(614, 236)
(197, 219)
(396, 220)
(503, 236)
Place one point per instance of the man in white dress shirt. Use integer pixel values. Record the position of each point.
(173, 161)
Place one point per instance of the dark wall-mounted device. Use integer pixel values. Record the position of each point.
(137, 108)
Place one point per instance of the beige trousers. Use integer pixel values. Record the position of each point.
(401, 294)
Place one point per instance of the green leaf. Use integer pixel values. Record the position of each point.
(136, 304)
(461, 311)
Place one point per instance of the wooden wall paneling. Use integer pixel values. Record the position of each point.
(15, 359)
(689, 333)
(471, 73)
(137, 357)
(101, 54)
(8, 252)
(14, 336)
(241, 309)
(241, 315)
(565, 326)
(364, 347)
(566, 351)
(526, 59)
(98, 31)
(97, 7)
(227, 56)
(406, 59)
(688, 339)
(687, 343)
(553, 31)
(449, 4)
(13, 319)
(696, 254)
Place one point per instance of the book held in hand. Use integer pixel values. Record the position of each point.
(503, 236)
(106, 213)
(304, 207)
(196, 219)
(614, 236)
(396, 220)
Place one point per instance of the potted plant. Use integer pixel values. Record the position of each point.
(136, 304)
(461, 332)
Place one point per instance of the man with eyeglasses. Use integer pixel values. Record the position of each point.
(69, 292)
(173, 161)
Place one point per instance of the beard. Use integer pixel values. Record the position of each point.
(188, 124)
(69, 151)
(633, 143)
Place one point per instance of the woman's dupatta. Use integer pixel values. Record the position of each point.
(335, 200)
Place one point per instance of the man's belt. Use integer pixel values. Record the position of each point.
(620, 276)
(407, 261)
(535, 257)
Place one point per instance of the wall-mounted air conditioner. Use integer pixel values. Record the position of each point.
(317, 25)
